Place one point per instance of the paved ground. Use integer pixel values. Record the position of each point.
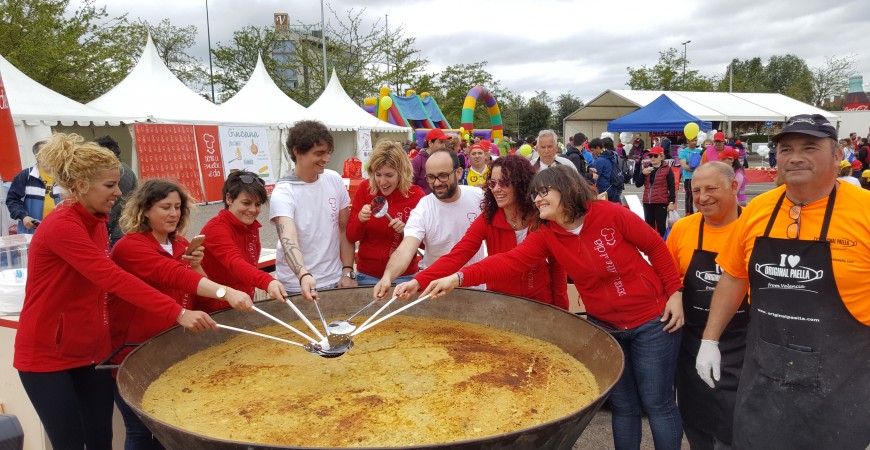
(598, 435)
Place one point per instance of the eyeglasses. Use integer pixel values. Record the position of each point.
(794, 229)
(503, 183)
(249, 179)
(655, 156)
(540, 192)
(442, 177)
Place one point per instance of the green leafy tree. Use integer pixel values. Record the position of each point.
(537, 114)
(668, 75)
(745, 76)
(453, 86)
(173, 44)
(565, 105)
(236, 60)
(789, 75)
(404, 63)
(77, 53)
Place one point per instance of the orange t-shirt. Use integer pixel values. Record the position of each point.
(849, 235)
(683, 240)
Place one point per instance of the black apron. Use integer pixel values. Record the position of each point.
(708, 410)
(806, 378)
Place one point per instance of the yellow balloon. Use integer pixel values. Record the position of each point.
(525, 150)
(462, 131)
(386, 102)
(691, 130)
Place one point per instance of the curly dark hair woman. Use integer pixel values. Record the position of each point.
(517, 171)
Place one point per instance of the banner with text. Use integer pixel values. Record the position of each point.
(169, 151)
(247, 148)
(210, 162)
(10, 161)
(364, 148)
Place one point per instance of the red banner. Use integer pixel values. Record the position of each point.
(169, 151)
(208, 146)
(10, 162)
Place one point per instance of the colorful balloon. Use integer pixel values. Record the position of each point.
(691, 130)
(526, 150)
(386, 102)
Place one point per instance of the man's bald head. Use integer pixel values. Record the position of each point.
(714, 192)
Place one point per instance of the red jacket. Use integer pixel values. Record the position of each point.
(64, 323)
(141, 255)
(376, 240)
(232, 250)
(659, 187)
(540, 281)
(616, 284)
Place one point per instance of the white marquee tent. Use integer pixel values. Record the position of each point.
(262, 102)
(152, 91)
(724, 107)
(36, 109)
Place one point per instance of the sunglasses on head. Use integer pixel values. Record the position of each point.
(249, 179)
(503, 183)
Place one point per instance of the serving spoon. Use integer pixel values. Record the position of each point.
(346, 326)
(379, 207)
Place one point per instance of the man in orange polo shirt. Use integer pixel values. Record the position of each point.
(802, 251)
(694, 243)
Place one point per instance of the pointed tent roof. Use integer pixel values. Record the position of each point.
(151, 90)
(662, 114)
(261, 101)
(336, 109)
(34, 104)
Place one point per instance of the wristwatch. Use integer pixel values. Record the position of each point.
(351, 275)
(221, 293)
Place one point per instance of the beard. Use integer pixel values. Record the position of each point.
(450, 192)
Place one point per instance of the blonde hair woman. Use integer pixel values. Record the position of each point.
(390, 175)
(64, 327)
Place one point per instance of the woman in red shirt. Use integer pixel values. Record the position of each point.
(390, 177)
(153, 249)
(232, 244)
(64, 328)
(508, 216)
(659, 190)
(599, 243)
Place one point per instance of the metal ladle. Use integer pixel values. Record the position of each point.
(346, 326)
(379, 207)
(334, 344)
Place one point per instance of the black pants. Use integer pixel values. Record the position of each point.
(700, 440)
(656, 215)
(139, 437)
(690, 205)
(74, 405)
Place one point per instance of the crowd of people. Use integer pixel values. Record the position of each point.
(472, 214)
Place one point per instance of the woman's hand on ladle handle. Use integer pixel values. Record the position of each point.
(276, 290)
(405, 290)
(239, 300)
(441, 286)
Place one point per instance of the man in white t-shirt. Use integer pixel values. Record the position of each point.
(310, 209)
(439, 220)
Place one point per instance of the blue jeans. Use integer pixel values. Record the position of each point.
(139, 437)
(646, 385)
(368, 280)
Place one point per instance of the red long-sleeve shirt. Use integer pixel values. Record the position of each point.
(232, 250)
(64, 322)
(542, 281)
(617, 285)
(377, 241)
(141, 255)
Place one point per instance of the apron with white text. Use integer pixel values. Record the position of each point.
(806, 378)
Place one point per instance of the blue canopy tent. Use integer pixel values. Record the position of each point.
(662, 114)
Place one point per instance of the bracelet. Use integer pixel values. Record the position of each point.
(460, 276)
(306, 274)
(183, 310)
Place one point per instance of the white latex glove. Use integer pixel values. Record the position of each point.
(708, 359)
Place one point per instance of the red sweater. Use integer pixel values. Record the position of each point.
(64, 323)
(232, 250)
(141, 255)
(540, 281)
(377, 241)
(616, 284)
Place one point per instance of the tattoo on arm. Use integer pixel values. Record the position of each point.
(292, 254)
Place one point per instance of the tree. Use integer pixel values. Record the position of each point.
(565, 105)
(236, 61)
(76, 53)
(789, 75)
(667, 75)
(744, 76)
(453, 86)
(536, 115)
(405, 66)
(832, 79)
(172, 44)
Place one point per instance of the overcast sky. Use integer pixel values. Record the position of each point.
(582, 47)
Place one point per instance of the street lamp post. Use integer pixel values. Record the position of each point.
(323, 42)
(685, 44)
(210, 70)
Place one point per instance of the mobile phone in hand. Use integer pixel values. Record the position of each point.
(195, 243)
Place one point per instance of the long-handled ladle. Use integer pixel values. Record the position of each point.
(346, 326)
(285, 325)
(242, 330)
(391, 314)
